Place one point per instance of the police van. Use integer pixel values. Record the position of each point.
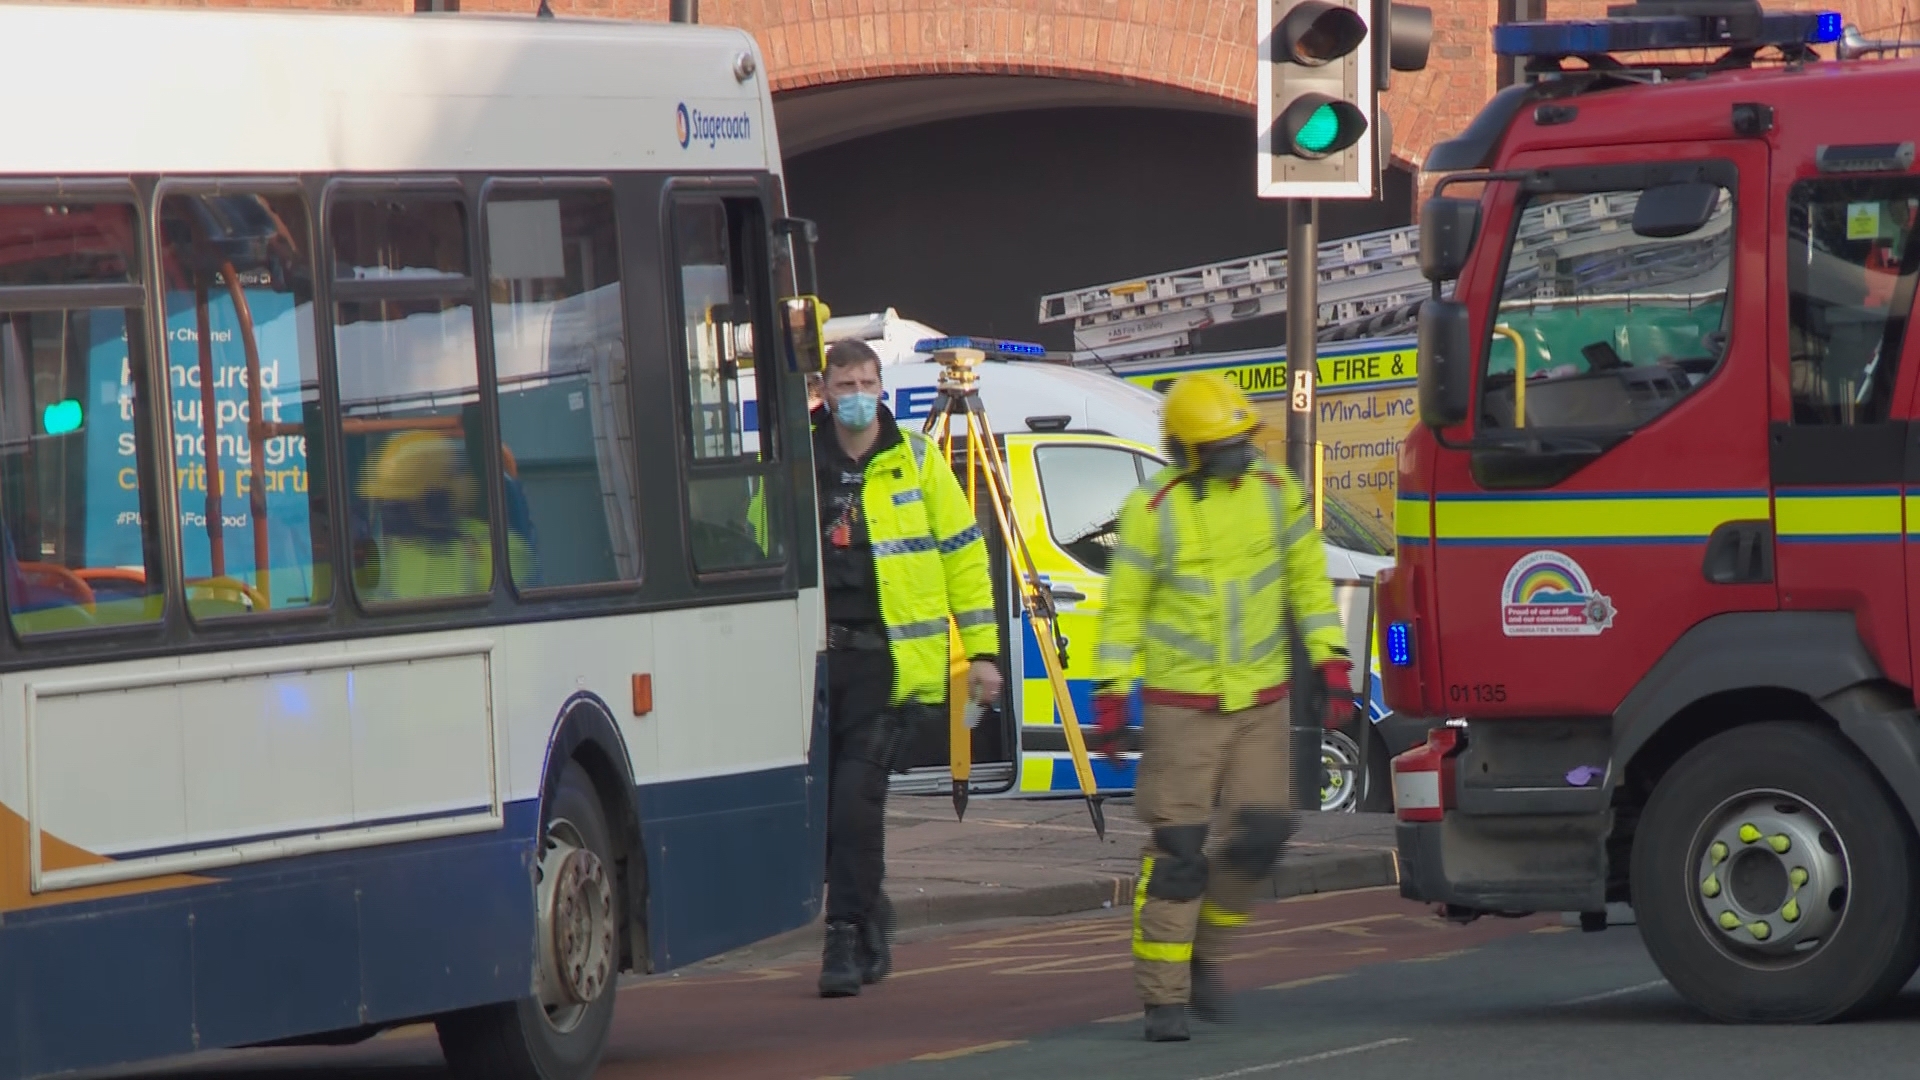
(1076, 442)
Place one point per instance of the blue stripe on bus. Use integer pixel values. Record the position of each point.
(335, 940)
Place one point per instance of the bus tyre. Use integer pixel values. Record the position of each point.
(1774, 878)
(560, 1032)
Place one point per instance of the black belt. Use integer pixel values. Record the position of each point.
(843, 638)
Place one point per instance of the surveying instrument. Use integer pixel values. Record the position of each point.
(959, 401)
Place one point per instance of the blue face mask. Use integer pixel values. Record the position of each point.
(856, 411)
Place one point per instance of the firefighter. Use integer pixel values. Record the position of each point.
(431, 540)
(1217, 558)
(902, 559)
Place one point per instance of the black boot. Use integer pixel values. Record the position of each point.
(1166, 1023)
(1209, 996)
(839, 963)
(876, 942)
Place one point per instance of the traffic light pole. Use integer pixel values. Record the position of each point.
(1303, 310)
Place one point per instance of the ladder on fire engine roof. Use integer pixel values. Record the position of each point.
(1370, 286)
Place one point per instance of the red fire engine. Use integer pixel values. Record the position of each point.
(1657, 533)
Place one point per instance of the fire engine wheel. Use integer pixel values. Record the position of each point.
(560, 1031)
(1774, 880)
(1340, 789)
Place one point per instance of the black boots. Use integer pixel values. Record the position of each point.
(840, 961)
(876, 942)
(1166, 1023)
(1209, 994)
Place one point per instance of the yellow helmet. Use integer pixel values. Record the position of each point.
(413, 464)
(1203, 409)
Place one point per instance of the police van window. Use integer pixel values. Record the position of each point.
(560, 361)
(735, 500)
(1608, 328)
(403, 331)
(238, 289)
(1851, 266)
(78, 550)
(1082, 488)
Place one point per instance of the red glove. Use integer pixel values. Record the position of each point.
(1110, 718)
(1338, 675)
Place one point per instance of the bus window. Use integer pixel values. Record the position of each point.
(560, 360)
(409, 389)
(735, 500)
(240, 361)
(78, 551)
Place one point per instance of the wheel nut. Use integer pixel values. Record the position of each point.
(1760, 931)
(1797, 877)
(1779, 843)
(1729, 921)
(1791, 912)
(1710, 888)
(1749, 834)
(1718, 852)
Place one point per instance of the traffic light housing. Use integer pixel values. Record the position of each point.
(1323, 64)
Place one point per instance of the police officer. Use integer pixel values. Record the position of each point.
(904, 561)
(1217, 557)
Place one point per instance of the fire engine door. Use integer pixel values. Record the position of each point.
(1842, 453)
(1620, 439)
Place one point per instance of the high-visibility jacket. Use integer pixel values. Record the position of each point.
(930, 560)
(1197, 585)
(416, 568)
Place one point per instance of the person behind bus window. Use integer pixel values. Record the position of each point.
(429, 538)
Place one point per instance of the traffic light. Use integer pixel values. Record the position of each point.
(1323, 63)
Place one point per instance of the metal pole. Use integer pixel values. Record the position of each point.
(684, 11)
(1303, 310)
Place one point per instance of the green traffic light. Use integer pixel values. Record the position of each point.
(1319, 133)
(61, 417)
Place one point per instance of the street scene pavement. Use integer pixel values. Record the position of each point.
(1013, 963)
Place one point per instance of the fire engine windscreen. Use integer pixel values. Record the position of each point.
(1608, 326)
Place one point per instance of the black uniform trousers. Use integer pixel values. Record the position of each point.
(865, 734)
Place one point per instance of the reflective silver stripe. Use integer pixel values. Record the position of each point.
(960, 539)
(1169, 540)
(884, 548)
(1233, 622)
(1133, 557)
(1115, 654)
(1266, 577)
(978, 617)
(1296, 532)
(911, 495)
(1191, 584)
(1174, 639)
(1319, 622)
(1269, 644)
(919, 443)
(923, 629)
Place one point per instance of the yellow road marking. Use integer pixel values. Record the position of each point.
(1308, 898)
(1437, 956)
(1325, 925)
(1292, 984)
(1072, 965)
(1550, 930)
(978, 961)
(948, 1055)
(1091, 933)
(1122, 1018)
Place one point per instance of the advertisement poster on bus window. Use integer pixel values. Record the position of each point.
(1365, 406)
(113, 508)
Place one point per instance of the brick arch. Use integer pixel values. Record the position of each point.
(1204, 47)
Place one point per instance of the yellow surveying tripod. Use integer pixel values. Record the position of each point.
(959, 398)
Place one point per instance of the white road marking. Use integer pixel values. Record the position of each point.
(1621, 992)
(1325, 1055)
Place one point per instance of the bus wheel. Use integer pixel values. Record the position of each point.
(559, 1033)
(1774, 879)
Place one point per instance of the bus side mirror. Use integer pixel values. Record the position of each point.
(1447, 231)
(804, 320)
(1446, 363)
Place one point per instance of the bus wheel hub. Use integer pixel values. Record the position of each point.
(577, 937)
(1770, 876)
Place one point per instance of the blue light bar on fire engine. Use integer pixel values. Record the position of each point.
(985, 345)
(1658, 33)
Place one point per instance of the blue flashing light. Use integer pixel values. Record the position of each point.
(986, 345)
(1656, 34)
(1400, 644)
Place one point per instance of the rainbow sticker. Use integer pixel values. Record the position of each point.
(1547, 594)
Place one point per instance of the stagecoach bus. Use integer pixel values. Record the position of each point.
(386, 637)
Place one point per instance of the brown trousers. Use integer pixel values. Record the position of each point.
(1201, 768)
